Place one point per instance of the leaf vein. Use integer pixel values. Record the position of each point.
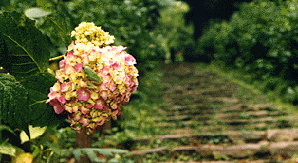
(23, 49)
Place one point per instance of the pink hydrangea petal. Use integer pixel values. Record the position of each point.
(77, 116)
(84, 121)
(104, 71)
(98, 119)
(116, 66)
(75, 108)
(58, 107)
(112, 86)
(69, 69)
(99, 104)
(114, 106)
(65, 86)
(104, 94)
(134, 88)
(130, 60)
(118, 100)
(126, 99)
(127, 80)
(84, 110)
(62, 64)
(61, 99)
(53, 95)
(70, 54)
(115, 114)
(103, 87)
(83, 94)
(79, 67)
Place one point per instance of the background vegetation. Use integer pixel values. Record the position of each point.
(261, 40)
(40, 30)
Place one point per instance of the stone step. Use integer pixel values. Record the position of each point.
(249, 107)
(232, 137)
(176, 118)
(241, 151)
(196, 115)
(268, 119)
(241, 161)
(188, 112)
(241, 123)
(249, 114)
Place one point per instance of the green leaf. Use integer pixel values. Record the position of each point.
(34, 132)
(38, 86)
(57, 150)
(4, 127)
(58, 28)
(62, 28)
(14, 102)
(8, 149)
(25, 47)
(36, 12)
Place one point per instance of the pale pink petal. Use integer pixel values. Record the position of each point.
(61, 99)
(58, 107)
(126, 99)
(104, 94)
(84, 121)
(65, 86)
(112, 86)
(53, 95)
(103, 87)
(62, 64)
(104, 71)
(77, 116)
(79, 67)
(115, 114)
(99, 104)
(84, 109)
(116, 65)
(114, 106)
(83, 94)
(130, 60)
(69, 69)
(70, 54)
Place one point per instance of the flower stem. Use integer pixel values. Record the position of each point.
(56, 58)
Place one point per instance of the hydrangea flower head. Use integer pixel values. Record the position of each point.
(88, 32)
(87, 102)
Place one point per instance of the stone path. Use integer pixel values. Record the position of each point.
(207, 119)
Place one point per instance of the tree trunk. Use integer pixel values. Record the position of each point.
(84, 141)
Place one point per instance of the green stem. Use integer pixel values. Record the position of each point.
(56, 58)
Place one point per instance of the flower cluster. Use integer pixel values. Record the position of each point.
(88, 32)
(87, 102)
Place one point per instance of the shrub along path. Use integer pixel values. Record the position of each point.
(207, 118)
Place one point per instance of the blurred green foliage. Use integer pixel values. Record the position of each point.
(131, 22)
(177, 35)
(140, 25)
(261, 39)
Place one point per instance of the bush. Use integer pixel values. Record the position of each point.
(131, 22)
(261, 38)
